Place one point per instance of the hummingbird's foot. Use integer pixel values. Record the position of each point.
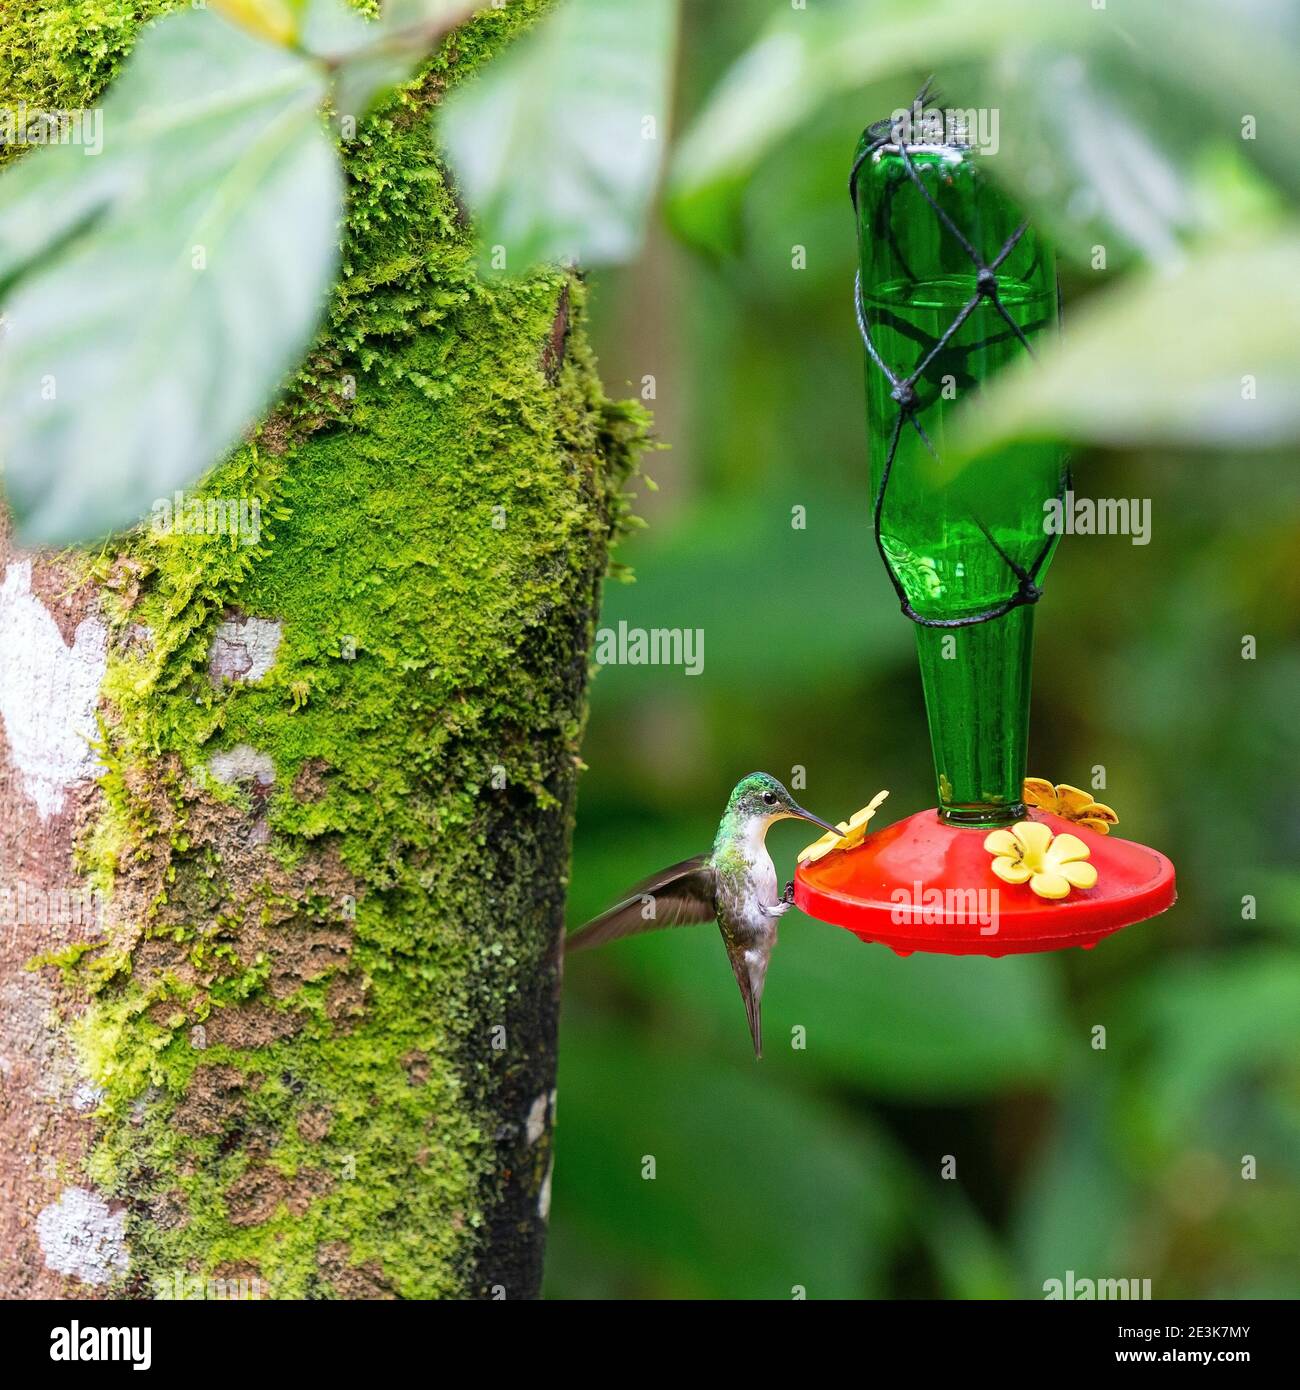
(788, 895)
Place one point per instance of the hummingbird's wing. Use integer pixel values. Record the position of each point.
(679, 897)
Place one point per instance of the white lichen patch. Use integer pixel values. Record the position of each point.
(544, 1195)
(243, 649)
(48, 692)
(80, 1236)
(242, 763)
(86, 1097)
(535, 1125)
(37, 1053)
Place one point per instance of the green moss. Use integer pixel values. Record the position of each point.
(60, 54)
(437, 500)
(67, 961)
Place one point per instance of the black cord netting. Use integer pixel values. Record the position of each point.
(903, 389)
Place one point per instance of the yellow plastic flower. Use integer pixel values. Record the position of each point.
(1050, 864)
(851, 832)
(1070, 803)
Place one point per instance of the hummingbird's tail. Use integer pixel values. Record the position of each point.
(750, 979)
(754, 1012)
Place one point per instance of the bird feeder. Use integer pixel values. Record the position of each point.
(952, 286)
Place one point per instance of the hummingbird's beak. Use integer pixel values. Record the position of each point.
(817, 820)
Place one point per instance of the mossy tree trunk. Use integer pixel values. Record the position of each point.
(280, 953)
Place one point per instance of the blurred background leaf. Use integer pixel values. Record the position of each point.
(372, 57)
(1100, 105)
(696, 1228)
(558, 143)
(805, 57)
(1223, 329)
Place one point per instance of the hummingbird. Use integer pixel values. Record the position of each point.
(734, 885)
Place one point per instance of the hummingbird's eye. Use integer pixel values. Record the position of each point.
(770, 798)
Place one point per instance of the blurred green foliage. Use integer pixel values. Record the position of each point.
(820, 1168)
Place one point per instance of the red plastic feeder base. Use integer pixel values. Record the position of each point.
(908, 887)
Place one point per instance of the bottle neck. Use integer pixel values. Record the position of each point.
(976, 682)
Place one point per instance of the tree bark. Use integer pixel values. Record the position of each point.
(285, 816)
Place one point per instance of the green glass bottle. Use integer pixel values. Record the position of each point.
(958, 545)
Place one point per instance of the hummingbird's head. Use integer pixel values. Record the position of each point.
(760, 797)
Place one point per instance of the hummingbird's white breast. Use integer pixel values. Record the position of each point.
(766, 900)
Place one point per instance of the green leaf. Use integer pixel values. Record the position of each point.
(1234, 82)
(158, 292)
(557, 145)
(1164, 359)
(755, 1188)
(968, 1260)
(803, 59)
(372, 58)
(1089, 154)
(1095, 142)
(1078, 1200)
(1224, 1039)
(703, 578)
